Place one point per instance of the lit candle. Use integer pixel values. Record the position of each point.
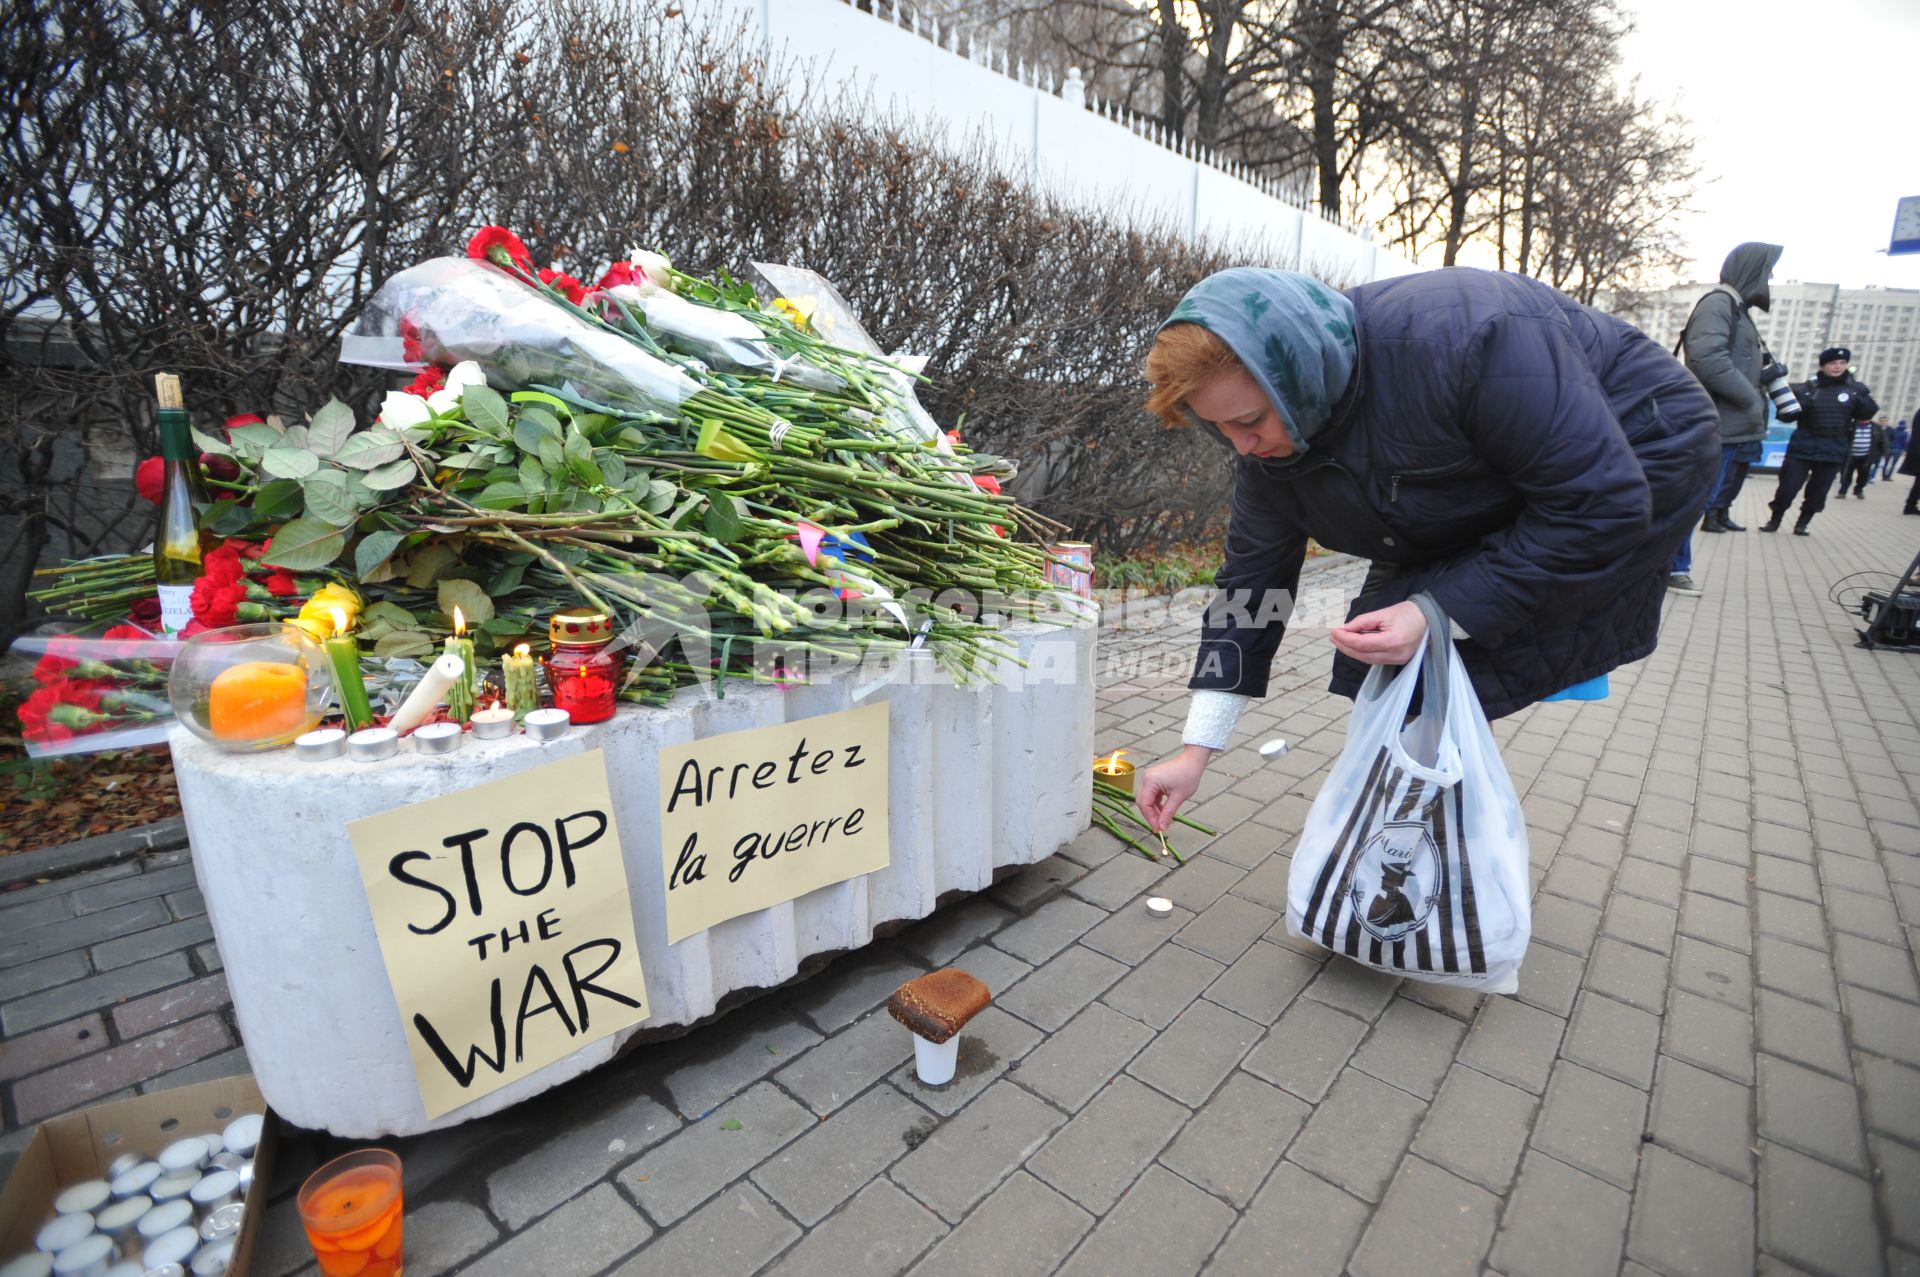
(523, 693)
(1115, 770)
(493, 723)
(548, 724)
(460, 694)
(343, 654)
(420, 702)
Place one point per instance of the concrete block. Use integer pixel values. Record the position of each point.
(581, 1238)
(1688, 1219)
(970, 1154)
(879, 1234)
(1411, 1047)
(823, 1168)
(1477, 1128)
(1095, 1157)
(1816, 1216)
(1024, 1229)
(1594, 1123)
(674, 1177)
(1704, 1116)
(1057, 990)
(548, 1174)
(1235, 1139)
(1560, 1222)
(1306, 1049)
(1164, 1225)
(1299, 1223)
(1197, 1051)
(1161, 987)
(1357, 1134)
(1072, 1065)
(1263, 982)
(1427, 1212)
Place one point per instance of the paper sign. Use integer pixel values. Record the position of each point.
(503, 917)
(752, 818)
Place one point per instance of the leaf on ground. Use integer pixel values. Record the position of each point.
(731, 1124)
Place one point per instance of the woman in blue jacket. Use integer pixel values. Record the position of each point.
(1528, 462)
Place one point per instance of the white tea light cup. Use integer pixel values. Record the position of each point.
(85, 1198)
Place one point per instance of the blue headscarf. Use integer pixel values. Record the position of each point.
(1294, 334)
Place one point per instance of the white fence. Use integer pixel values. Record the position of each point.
(949, 80)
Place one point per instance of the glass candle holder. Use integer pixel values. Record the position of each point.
(352, 1211)
(583, 671)
(248, 688)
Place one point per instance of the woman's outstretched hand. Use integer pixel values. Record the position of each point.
(1159, 791)
(1388, 637)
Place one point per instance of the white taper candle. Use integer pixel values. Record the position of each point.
(429, 692)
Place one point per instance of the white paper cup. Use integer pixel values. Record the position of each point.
(935, 1061)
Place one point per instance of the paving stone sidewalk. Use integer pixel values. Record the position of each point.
(1712, 1065)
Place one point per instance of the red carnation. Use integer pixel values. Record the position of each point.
(249, 550)
(80, 692)
(429, 380)
(131, 633)
(33, 718)
(575, 290)
(217, 603)
(281, 585)
(150, 478)
(221, 565)
(244, 419)
(617, 274)
(51, 668)
(410, 348)
(146, 613)
(502, 247)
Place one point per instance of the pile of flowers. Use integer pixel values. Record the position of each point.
(666, 447)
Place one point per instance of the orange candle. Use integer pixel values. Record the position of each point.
(258, 700)
(352, 1211)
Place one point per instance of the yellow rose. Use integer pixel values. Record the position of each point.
(316, 614)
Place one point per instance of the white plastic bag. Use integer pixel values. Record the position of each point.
(1414, 856)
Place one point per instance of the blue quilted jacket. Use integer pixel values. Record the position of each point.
(1529, 461)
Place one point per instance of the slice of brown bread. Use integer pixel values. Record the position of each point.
(938, 1005)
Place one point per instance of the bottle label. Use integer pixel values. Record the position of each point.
(176, 608)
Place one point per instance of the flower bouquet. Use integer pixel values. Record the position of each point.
(99, 693)
(562, 445)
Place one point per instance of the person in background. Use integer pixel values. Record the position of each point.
(1830, 406)
(1896, 445)
(1722, 349)
(1869, 445)
(1910, 465)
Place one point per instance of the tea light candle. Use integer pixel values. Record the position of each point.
(1115, 770)
(122, 1164)
(426, 694)
(224, 1222)
(437, 738)
(548, 724)
(135, 1182)
(171, 1248)
(119, 1220)
(215, 1190)
(495, 723)
(1160, 906)
(373, 744)
(173, 1186)
(1273, 749)
(36, 1263)
(83, 1198)
(184, 1155)
(89, 1258)
(166, 1217)
(320, 744)
(242, 1135)
(64, 1231)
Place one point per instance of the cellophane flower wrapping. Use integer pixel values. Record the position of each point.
(455, 308)
(719, 337)
(85, 694)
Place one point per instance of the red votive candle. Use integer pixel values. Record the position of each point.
(583, 673)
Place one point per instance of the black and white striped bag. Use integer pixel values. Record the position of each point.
(1414, 855)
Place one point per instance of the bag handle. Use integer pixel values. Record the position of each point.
(1434, 669)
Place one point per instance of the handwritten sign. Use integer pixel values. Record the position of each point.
(503, 917)
(752, 818)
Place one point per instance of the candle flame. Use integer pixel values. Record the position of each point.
(459, 620)
(339, 620)
(495, 707)
(1111, 763)
(523, 651)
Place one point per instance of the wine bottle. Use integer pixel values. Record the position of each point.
(176, 542)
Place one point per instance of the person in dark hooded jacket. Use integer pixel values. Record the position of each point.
(1527, 462)
(1831, 404)
(1723, 349)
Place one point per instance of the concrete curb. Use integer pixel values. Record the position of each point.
(92, 853)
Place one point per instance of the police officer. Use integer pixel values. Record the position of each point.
(1830, 405)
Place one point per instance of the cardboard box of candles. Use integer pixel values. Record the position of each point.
(179, 1177)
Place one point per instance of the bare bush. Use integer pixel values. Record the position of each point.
(216, 189)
